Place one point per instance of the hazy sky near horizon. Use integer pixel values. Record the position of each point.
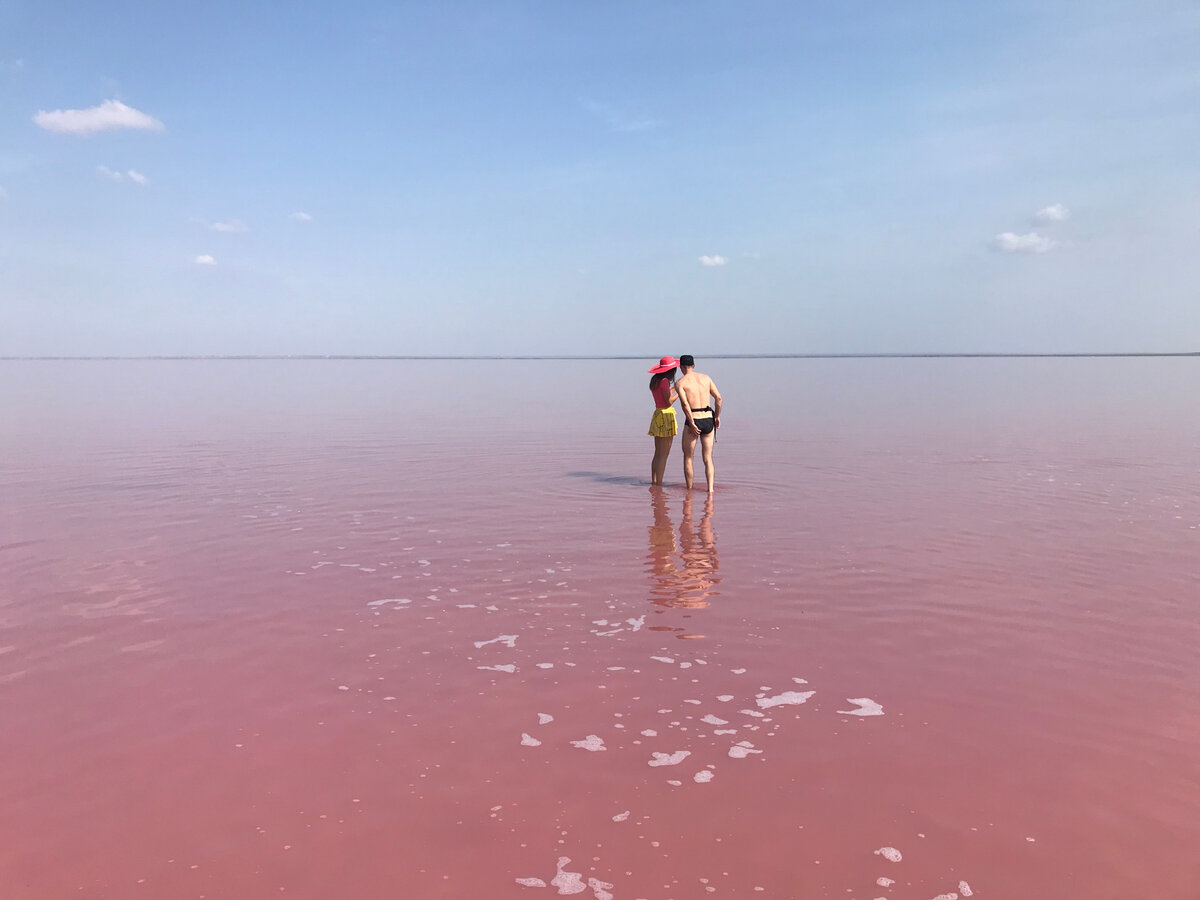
(626, 177)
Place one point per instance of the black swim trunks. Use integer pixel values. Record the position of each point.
(704, 420)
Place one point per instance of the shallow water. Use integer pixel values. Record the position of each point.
(359, 629)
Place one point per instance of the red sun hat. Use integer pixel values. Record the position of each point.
(665, 364)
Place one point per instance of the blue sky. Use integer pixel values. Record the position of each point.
(641, 177)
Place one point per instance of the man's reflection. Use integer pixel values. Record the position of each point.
(683, 571)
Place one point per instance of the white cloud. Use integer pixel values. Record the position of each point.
(1055, 212)
(1023, 243)
(713, 261)
(205, 260)
(108, 116)
(300, 217)
(233, 226)
(131, 175)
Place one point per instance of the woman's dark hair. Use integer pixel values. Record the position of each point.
(659, 377)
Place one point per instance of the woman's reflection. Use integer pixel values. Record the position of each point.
(683, 571)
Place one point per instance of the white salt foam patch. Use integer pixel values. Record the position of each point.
(946, 897)
(545, 718)
(742, 749)
(703, 776)
(567, 882)
(891, 854)
(724, 698)
(663, 659)
(725, 731)
(866, 707)
(649, 732)
(600, 889)
(508, 640)
(713, 720)
(800, 680)
(693, 702)
(738, 671)
(752, 712)
(637, 623)
(669, 759)
(397, 600)
(531, 882)
(507, 667)
(545, 665)
(787, 698)
(592, 742)
(685, 665)
(885, 882)
(528, 740)
(621, 816)
(673, 784)
(965, 889)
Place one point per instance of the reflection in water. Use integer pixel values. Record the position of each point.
(683, 571)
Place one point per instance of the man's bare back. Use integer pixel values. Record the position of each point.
(697, 389)
(701, 402)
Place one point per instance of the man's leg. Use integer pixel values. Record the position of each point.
(689, 448)
(706, 447)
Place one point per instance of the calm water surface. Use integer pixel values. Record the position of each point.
(391, 630)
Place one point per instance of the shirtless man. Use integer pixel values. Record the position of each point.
(703, 420)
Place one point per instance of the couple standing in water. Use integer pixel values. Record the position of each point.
(701, 404)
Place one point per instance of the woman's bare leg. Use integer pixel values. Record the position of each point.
(658, 466)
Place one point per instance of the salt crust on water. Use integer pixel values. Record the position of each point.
(621, 816)
(531, 882)
(592, 742)
(965, 889)
(725, 698)
(663, 659)
(567, 882)
(866, 707)
(891, 854)
(885, 882)
(507, 667)
(787, 698)
(703, 776)
(669, 759)
(508, 640)
(713, 720)
(742, 749)
(528, 740)
(544, 718)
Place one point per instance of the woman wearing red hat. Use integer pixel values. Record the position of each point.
(663, 427)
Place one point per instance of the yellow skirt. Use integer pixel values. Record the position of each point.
(663, 423)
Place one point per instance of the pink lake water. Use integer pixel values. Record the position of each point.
(371, 629)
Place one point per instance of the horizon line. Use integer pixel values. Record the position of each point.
(567, 358)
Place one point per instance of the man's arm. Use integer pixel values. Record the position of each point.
(687, 411)
(716, 395)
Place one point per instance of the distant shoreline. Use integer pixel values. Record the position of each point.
(495, 358)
